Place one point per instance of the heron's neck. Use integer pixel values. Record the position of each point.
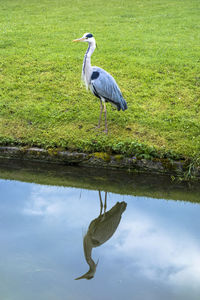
(87, 68)
(88, 251)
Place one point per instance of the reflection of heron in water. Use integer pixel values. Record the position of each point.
(100, 230)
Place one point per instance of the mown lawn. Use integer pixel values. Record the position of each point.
(152, 49)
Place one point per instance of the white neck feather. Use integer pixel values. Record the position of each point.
(87, 68)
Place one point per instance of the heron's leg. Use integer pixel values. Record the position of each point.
(100, 114)
(105, 202)
(105, 113)
(101, 203)
(105, 206)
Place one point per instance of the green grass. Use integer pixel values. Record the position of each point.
(152, 49)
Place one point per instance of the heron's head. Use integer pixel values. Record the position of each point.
(90, 274)
(87, 37)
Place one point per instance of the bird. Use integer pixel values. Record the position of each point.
(99, 231)
(100, 82)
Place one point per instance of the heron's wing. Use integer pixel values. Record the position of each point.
(103, 85)
(102, 228)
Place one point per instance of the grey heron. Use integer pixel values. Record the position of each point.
(99, 231)
(100, 82)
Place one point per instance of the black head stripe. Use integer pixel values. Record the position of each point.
(89, 35)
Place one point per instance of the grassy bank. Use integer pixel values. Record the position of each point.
(150, 47)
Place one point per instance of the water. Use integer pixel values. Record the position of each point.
(154, 252)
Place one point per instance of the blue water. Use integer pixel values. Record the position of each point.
(154, 253)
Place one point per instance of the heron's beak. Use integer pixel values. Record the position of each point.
(79, 40)
(90, 274)
(85, 276)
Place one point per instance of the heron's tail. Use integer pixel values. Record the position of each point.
(123, 104)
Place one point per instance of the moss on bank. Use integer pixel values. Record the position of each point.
(180, 169)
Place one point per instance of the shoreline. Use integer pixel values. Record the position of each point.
(103, 160)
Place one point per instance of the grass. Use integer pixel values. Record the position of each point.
(152, 49)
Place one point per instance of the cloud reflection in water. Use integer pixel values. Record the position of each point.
(152, 248)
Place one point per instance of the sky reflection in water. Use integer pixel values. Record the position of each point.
(154, 253)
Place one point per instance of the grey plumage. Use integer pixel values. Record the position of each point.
(105, 86)
(100, 82)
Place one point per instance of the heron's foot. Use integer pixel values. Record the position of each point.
(97, 127)
(106, 131)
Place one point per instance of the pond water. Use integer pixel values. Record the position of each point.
(141, 248)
